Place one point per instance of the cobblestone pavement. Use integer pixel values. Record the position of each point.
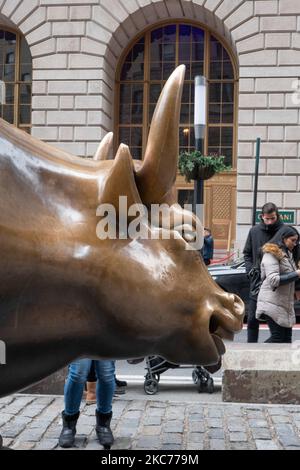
(33, 422)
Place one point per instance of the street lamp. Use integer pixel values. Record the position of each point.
(199, 126)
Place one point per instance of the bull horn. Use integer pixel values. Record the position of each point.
(120, 180)
(158, 173)
(105, 147)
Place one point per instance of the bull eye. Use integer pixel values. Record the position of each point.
(213, 324)
(187, 232)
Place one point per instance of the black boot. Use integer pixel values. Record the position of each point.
(104, 433)
(67, 436)
(120, 383)
(120, 387)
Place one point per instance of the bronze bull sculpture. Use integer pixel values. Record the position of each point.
(64, 293)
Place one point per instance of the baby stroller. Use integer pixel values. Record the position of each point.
(156, 365)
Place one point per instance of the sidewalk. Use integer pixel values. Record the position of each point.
(33, 422)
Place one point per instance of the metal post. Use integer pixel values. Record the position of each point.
(198, 184)
(257, 157)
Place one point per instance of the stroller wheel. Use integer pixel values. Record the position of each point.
(152, 376)
(151, 386)
(210, 385)
(207, 386)
(195, 376)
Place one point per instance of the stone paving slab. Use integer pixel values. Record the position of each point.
(34, 422)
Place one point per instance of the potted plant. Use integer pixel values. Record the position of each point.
(195, 166)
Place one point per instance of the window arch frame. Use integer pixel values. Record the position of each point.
(208, 32)
(17, 81)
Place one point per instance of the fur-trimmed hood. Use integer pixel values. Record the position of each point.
(275, 250)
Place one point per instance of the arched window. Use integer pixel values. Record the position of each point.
(15, 79)
(148, 64)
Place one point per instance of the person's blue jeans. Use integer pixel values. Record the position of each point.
(78, 372)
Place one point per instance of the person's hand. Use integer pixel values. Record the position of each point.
(298, 272)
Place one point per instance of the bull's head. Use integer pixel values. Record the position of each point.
(173, 299)
(65, 293)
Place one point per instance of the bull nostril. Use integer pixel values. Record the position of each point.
(233, 303)
(226, 299)
(229, 314)
(231, 298)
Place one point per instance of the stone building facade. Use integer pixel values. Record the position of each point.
(76, 47)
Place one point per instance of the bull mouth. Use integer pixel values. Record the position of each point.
(215, 333)
(219, 344)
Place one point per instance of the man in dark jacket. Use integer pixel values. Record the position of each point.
(259, 235)
(207, 250)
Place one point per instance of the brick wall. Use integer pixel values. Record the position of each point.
(76, 46)
(269, 66)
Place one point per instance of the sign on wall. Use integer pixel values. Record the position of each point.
(288, 217)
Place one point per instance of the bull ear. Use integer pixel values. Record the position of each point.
(120, 181)
(158, 173)
(105, 147)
